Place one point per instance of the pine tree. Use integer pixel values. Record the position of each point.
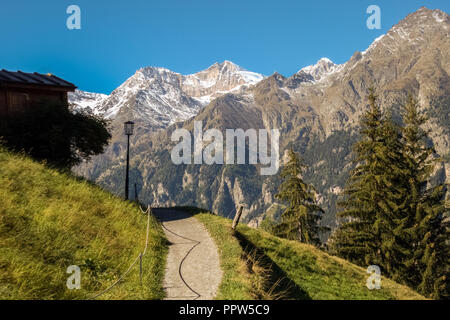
(393, 216)
(300, 220)
(434, 247)
(390, 217)
(426, 267)
(373, 206)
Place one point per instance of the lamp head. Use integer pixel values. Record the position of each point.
(129, 128)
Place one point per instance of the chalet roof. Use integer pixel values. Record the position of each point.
(34, 79)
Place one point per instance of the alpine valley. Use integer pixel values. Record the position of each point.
(316, 110)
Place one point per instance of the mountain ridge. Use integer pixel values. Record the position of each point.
(317, 111)
(202, 87)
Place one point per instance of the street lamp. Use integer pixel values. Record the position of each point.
(129, 128)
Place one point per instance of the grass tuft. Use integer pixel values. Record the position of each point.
(50, 220)
(288, 269)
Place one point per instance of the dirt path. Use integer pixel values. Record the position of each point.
(193, 269)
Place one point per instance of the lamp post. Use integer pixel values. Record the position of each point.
(129, 128)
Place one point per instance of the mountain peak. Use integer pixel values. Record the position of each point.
(154, 71)
(228, 62)
(321, 69)
(278, 76)
(218, 79)
(407, 30)
(325, 60)
(424, 17)
(224, 67)
(426, 11)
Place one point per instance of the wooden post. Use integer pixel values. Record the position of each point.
(237, 217)
(140, 268)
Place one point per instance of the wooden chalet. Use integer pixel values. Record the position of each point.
(20, 90)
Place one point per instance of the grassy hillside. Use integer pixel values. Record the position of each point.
(50, 220)
(305, 272)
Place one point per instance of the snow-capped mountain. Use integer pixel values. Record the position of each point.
(85, 101)
(314, 74)
(323, 68)
(317, 110)
(217, 80)
(160, 97)
(153, 95)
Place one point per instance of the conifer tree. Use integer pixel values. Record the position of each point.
(390, 217)
(426, 267)
(300, 220)
(434, 247)
(393, 216)
(373, 205)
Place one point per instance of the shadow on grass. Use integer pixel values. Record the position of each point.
(277, 281)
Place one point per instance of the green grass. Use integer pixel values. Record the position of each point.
(235, 283)
(51, 220)
(312, 273)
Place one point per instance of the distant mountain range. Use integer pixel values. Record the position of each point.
(161, 97)
(316, 110)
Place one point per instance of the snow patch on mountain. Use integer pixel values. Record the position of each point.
(438, 17)
(153, 95)
(160, 97)
(85, 101)
(321, 70)
(217, 80)
(374, 43)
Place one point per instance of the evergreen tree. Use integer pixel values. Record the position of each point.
(434, 247)
(373, 206)
(393, 216)
(300, 220)
(427, 265)
(390, 217)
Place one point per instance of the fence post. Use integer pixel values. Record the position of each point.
(140, 268)
(237, 217)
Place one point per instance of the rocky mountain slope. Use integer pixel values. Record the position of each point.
(160, 97)
(316, 110)
(155, 98)
(82, 101)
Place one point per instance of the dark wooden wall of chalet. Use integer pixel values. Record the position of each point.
(3, 105)
(19, 99)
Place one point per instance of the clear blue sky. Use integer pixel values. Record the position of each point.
(118, 37)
